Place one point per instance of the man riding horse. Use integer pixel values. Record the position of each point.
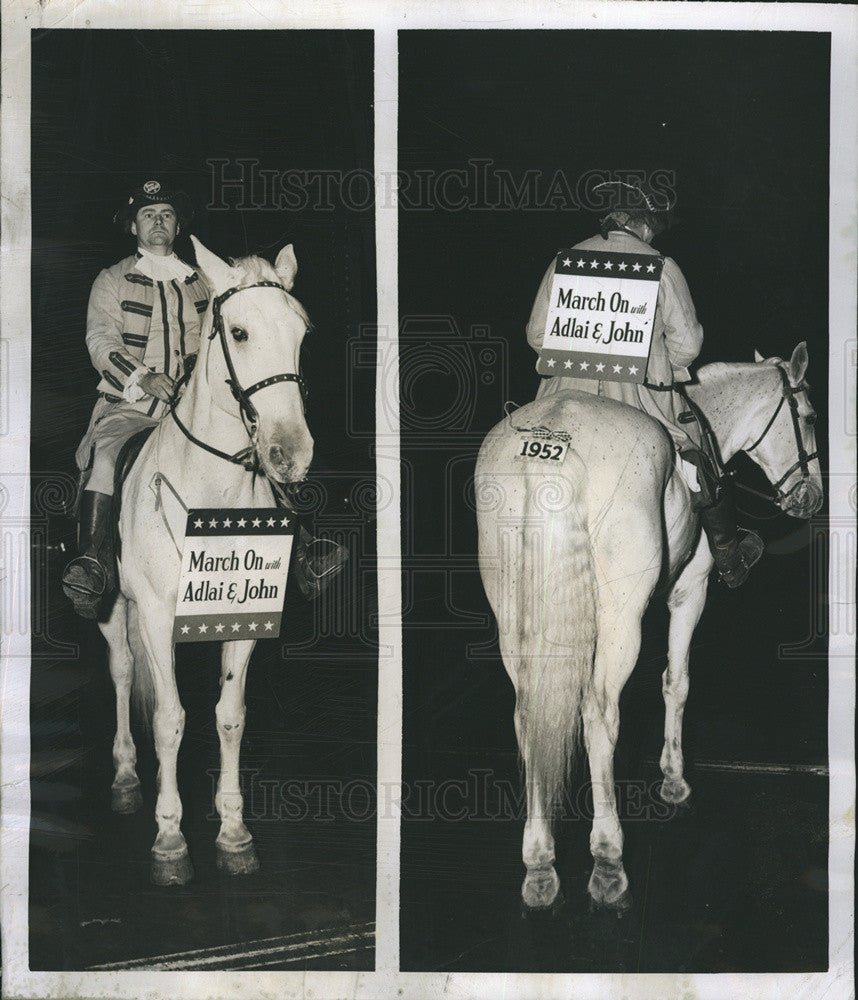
(635, 215)
(143, 334)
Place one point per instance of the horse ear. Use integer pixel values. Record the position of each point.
(798, 364)
(220, 275)
(757, 356)
(286, 266)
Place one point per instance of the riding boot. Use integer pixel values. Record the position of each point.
(90, 579)
(733, 557)
(317, 562)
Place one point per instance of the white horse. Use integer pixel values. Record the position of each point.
(250, 343)
(570, 554)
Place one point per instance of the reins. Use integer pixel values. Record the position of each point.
(248, 412)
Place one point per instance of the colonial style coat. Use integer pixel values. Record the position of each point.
(676, 341)
(134, 322)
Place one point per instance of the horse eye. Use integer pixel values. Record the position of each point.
(238, 333)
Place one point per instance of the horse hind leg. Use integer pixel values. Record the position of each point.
(616, 655)
(126, 796)
(235, 851)
(686, 601)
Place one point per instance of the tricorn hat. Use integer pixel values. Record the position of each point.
(638, 199)
(154, 192)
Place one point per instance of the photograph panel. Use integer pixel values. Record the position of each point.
(203, 230)
(671, 843)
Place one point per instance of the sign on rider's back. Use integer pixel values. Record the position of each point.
(600, 315)
(234, 569)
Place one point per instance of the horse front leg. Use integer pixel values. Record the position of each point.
(171, 863)
(235, 851)
(685, 601)
(125, 790)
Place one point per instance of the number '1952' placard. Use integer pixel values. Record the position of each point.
(234, 569)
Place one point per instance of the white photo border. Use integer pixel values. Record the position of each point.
(386, 18)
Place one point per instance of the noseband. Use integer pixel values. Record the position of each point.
(249, 413)
(788, 394)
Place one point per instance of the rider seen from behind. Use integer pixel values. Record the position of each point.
(143, 333)
(635, 214)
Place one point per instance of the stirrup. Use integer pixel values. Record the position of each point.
(313, 580)
(78, 586)
(746, 554)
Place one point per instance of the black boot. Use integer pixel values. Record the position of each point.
(317, 562)
(733, 557)
(89, 581)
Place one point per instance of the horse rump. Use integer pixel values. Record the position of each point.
(537, 568)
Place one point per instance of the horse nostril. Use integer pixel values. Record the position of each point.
(276, 455)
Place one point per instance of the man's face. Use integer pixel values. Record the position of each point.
(155, 228)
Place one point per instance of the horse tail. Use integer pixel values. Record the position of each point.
(142, 684)
(558, 630)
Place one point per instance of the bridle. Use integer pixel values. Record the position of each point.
(249, 414)
(788, 394)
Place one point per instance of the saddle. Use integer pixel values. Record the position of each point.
(128, 455)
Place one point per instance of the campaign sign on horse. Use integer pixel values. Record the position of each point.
(600, 315)
(234, 569)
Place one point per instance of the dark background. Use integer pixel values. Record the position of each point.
(737, 881)
(111, 109)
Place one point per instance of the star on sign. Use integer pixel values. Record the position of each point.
(252, 626)
(241, 523)
(227, 523)
(269, 626)
(650, 268)
(284, 523)
(567, 262)
(551, 362)
(636, 267)
(198, 523)
(585, 365)
(580, 263)
(203, 629)
(608, 266)
(633, 370)
(213, 523)
(256, 522)
(219, 627)
(235, 626)
(622, 266)
(186, 629)
(600, 367)
(567, 364)
(270, 522)
(617, 369)
(594, 263)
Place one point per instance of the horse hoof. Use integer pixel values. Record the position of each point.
(241, 862)
(126, 800)
(622, 904)
(541, 889)
(674, 792)
(176, 870)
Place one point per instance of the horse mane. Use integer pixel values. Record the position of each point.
(718, 370)
(253, 269)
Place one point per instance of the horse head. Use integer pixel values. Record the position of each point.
(764, 410)
(785, 448)
(250, 347)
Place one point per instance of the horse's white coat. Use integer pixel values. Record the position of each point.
(140, 627)
(570, 556)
